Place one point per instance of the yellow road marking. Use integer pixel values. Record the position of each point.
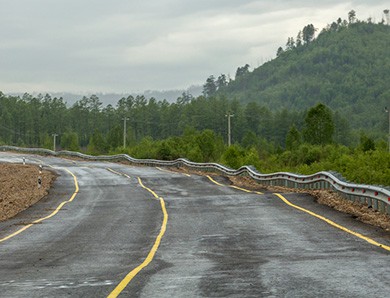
(215, 182)
(122, 285)
(118, 173)
(164, 170)
(147, 188)
(233, 186)
(50, 215)
(239, 188)
(332, 223)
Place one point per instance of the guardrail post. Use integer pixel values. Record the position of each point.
(376, 204)
(382, 207)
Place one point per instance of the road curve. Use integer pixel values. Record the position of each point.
(218, 241)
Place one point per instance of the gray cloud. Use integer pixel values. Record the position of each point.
(124, 46)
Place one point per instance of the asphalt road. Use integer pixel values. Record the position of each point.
(219, 241)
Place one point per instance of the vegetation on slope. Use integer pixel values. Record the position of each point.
(317, 106)
(346, 67)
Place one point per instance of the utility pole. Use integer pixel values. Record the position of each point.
(228, 115)
(54, 141)
(388, 112)
(124, 130)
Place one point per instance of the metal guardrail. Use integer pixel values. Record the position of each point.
(376, 197)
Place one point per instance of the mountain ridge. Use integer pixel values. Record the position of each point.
(347, 68)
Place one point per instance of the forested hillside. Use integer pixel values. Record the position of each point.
(318, 106)
(347, 67)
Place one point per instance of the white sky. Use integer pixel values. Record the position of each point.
(126, 46)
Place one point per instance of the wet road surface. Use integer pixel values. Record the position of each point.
(219, 241)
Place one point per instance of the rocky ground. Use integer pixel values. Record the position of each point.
(19, 187)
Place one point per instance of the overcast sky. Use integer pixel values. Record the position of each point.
(126, 46)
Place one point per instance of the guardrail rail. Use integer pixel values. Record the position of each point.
(376, 197)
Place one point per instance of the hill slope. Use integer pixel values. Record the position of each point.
(347, 68)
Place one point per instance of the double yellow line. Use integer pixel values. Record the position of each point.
(50, 215)
(328, 221)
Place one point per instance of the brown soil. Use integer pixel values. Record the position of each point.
(19, 187)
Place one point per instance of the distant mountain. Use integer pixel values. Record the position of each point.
(347, 67)
(113, 98)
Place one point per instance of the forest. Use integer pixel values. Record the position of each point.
(346, 67)
(303, 142)
(319, 105)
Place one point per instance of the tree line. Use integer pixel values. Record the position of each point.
(32, 121)
(196, 128)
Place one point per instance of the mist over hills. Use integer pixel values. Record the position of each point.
(113, 98)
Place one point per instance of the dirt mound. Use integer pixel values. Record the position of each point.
(19, 187)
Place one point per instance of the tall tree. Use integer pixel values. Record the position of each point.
(290, 43)
(70, 141)
(97, 145)
(293, 139)
(279, 51)
(241, 71)
(185, 98)
(221, 81)
(253, 117)
(319, 126)
(308, 33)
(351, 16)
(210, 87)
